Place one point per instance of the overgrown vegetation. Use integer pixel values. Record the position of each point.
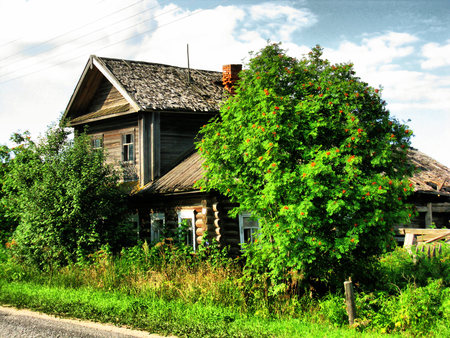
(162, 289)
(313, 152)
(63, 199)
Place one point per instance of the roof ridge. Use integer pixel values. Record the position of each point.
(154, 63)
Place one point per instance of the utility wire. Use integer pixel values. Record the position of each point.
(18, 39)
(69, 32)
(107, 46)
(90, 42)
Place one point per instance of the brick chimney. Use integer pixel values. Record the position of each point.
(230, 76)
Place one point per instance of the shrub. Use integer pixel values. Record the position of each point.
(66, 200)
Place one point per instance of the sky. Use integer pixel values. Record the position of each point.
(401, 46)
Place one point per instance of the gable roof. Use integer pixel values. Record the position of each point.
(148, 87)
(432, 177)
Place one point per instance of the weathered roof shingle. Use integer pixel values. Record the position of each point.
(167, 88)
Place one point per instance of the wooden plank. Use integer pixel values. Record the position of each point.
(409, 240)
(418, 231)
(436, 207)
(145, 143)
(438, 237)
(429, 215)
(155, 147)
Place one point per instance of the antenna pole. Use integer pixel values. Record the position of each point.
(189, 68)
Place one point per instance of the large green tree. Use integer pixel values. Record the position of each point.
(313, 153)
(66, 200)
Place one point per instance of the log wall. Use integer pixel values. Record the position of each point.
(211, 215)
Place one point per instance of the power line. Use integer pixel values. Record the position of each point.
(69, 32)
(88, 43)
(18, 39)
(109, 45)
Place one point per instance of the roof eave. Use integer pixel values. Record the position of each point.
(101, 66)
(86, 69)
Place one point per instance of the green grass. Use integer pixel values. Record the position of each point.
(171, 292)
(158, 315)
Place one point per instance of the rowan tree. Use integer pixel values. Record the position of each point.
(312, 151)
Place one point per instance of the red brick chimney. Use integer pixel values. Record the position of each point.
(230, 76)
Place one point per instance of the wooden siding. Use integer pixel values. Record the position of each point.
(178, 132)
(106, 96)
(86, 90)
(111, 131)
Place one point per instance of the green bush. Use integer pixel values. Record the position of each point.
(401, 267)
(66, 200)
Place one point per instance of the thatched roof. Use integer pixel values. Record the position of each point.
(161, 87)
(432, 177)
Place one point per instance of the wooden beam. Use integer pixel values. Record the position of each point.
(429, 215)
(436, 207)
(145, 160)
(438, 237)
(155, 147)
(421, 231)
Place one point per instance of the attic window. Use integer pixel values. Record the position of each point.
(128, 147)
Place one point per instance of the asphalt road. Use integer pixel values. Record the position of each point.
(25, 323)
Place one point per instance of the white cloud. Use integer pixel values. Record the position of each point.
(417, 95)
(279, 22)
(375, 51)
(436, 55)
(378, 61)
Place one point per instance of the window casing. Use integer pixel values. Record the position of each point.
(128, 147)
(187, 218)
(97, 142)
(248, 227)
(157, 224)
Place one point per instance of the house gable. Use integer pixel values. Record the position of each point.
(98, 95)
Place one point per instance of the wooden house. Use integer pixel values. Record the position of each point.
(147, 116)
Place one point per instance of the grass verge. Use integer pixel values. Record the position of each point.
(158, 315)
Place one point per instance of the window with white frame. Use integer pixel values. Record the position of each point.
(186, 218)
(127, 147)
(157, 223)
(247, 227)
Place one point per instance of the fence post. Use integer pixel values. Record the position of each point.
(350, 301)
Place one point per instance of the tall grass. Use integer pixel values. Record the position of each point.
(411, 296)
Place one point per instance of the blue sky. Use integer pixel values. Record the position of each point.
(402, 46)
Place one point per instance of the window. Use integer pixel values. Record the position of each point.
(97, 142)
(186, 218)
(128, 147)
(157, 223)
(247, 227)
